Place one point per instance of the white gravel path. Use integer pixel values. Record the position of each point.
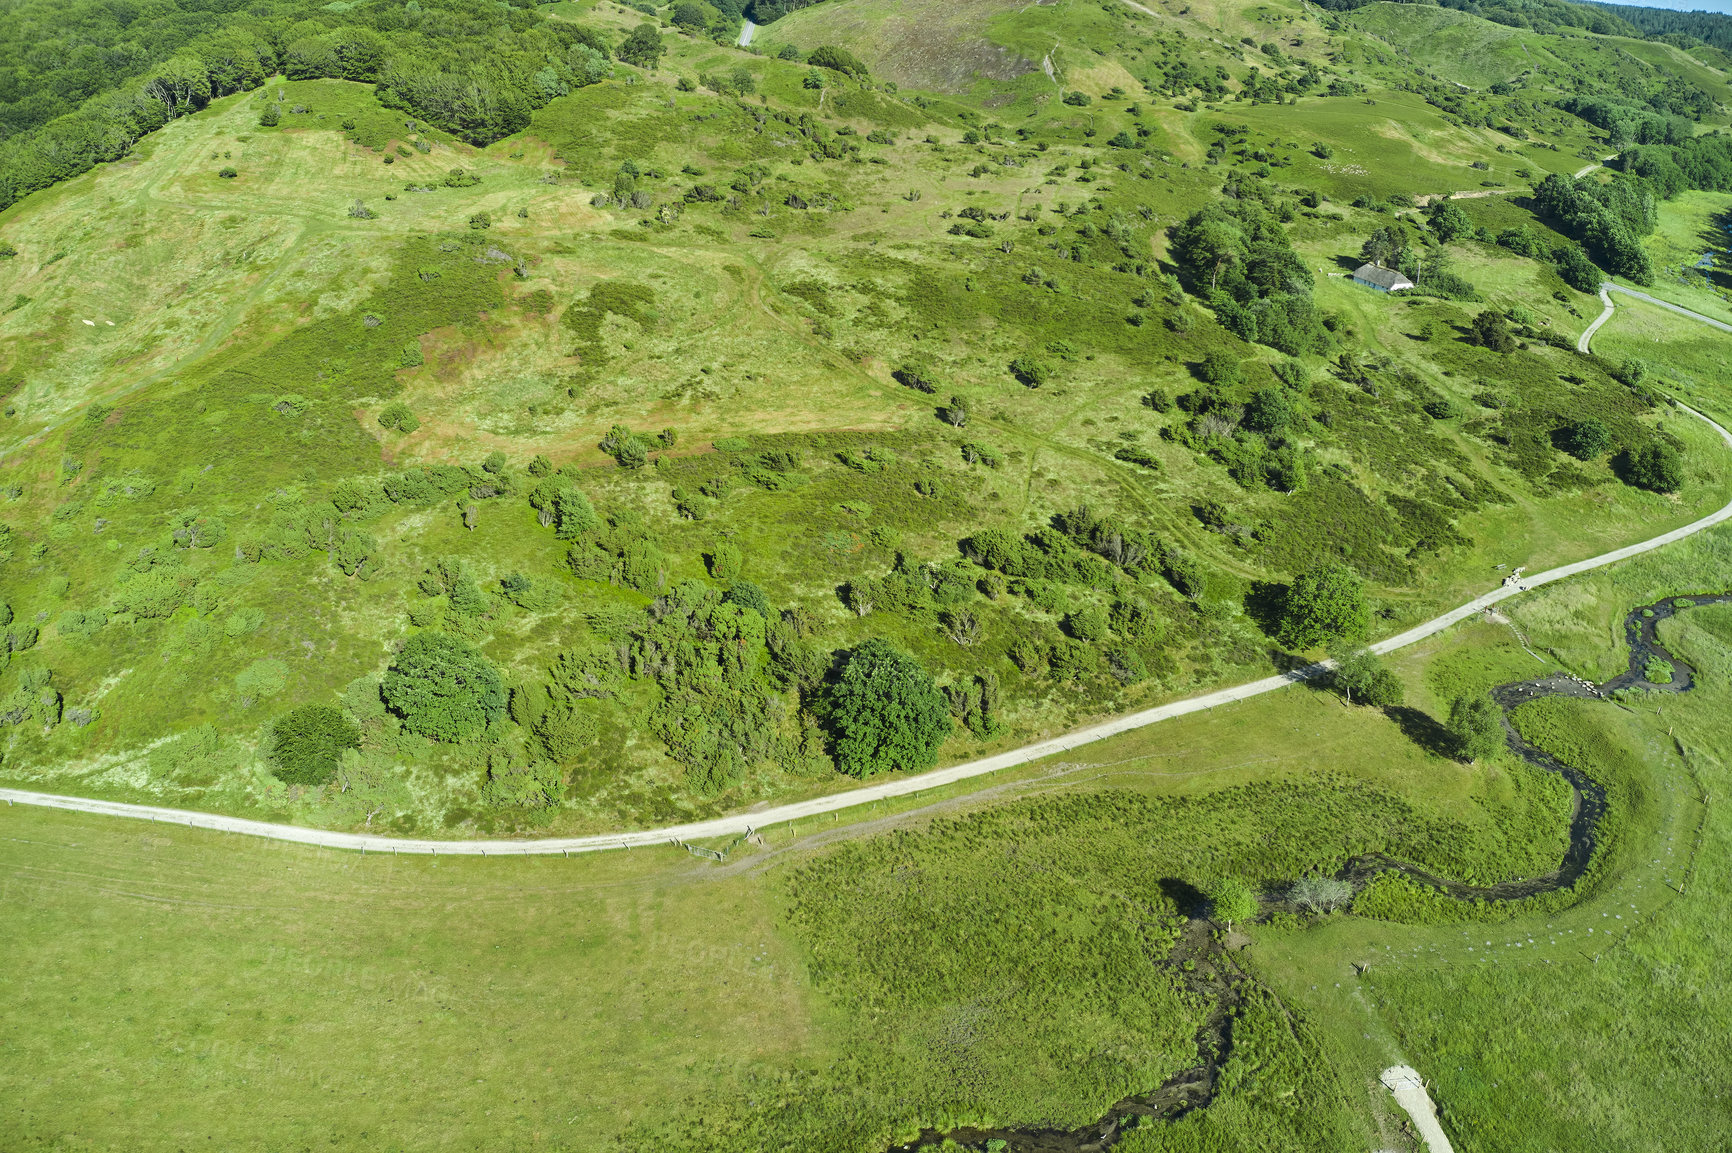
(1605, 315)
(1666, 304)
(1409, 1090)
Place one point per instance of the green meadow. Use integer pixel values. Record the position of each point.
(991, 959)
(458, 420)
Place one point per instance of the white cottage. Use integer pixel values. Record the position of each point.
(1382, 279)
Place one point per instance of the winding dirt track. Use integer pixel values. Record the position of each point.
(739, 823)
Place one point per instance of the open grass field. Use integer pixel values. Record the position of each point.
(653, 999)
(649, 399)
(379, 1003)
(1692, 253)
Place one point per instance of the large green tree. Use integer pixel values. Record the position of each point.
(1325, 606)
(443, 688)
(886, 712)
(643, 47)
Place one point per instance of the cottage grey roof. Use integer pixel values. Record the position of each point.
(1382, 277)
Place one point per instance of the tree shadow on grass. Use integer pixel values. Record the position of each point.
(1264, 603)
(1185, 896)
(1422, 730)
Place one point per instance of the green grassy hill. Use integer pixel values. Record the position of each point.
(481, 420)
(233, 358)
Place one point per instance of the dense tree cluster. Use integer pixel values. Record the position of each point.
(1701, 162)
(1609, 219)
(1237, 257)
(1627, 123)
(1539, 15)
(1685, 29)
(472, 68)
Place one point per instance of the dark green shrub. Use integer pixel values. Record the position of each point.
(626, 447)
(1186, 573)
(1656, 466)
(1138, 455)
(1221, 368)
(1586, 440)
(1270, 410)
(1088, 623)
(749, 596)
(573, 515)
(1029, 371)
(443, 688)
(307, 744)
(724, 561)
(563, 731)
(396, 416)
(837, 60)
(537, 785)
(1476, 727)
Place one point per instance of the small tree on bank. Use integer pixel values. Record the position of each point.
(1232, 900)
(1476, 725)
(1364, 680)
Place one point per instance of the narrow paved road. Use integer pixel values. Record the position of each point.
(1666, 304)
(739, 823)
(746, 34)
(1581, 172)
(1605, 315)
(1607, 287)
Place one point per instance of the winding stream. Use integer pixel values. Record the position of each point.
(1217, 977)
